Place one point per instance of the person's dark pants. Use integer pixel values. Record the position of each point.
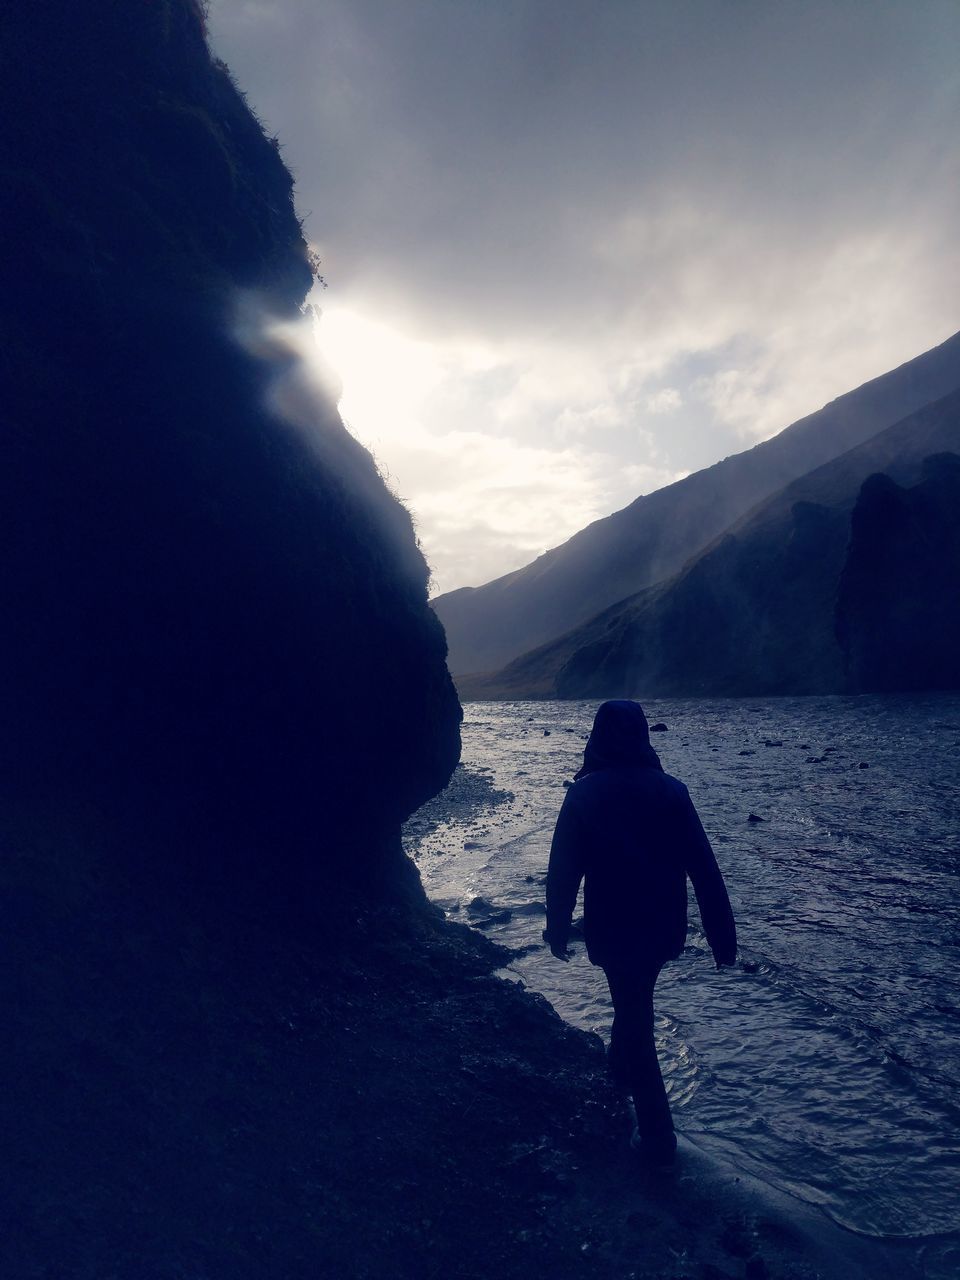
(633, 1051)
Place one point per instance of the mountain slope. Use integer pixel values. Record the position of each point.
(755, 613)
(657, 534)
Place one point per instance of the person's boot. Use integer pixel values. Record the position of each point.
(655, 1153)
(653, 1138)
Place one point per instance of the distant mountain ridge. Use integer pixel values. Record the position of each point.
(773, 605)
(657, 534)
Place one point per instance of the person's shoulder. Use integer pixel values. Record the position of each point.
(589, 790)
(604, 781)
(581, 787)
(573, 791)
(673, 786)
(584, 783)
(599, 780)
(651, 782)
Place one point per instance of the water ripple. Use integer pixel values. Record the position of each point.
(828, 1062)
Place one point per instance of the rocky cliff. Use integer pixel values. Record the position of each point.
(211, 608)
(221, 690)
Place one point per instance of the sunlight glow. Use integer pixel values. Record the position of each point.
(386, 375)
(446, 422)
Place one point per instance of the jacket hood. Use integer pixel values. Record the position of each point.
(620, 736)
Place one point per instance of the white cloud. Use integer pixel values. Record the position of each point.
(571, 252)
(501, 503)
(664, 401)
(484, 502)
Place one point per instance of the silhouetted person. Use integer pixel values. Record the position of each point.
(631, 833)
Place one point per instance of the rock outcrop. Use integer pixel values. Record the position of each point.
(211, 606)
(221, 691)
(898, 611)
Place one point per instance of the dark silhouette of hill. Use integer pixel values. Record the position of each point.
(898, 611)
(651, 539)
(756, 612)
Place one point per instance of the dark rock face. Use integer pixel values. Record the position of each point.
(653, 538)
(898, 612)
(200, 601)
(755, 613)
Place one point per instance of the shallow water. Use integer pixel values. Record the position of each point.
(828, 1062)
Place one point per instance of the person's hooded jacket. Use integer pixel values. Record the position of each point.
(630, 832)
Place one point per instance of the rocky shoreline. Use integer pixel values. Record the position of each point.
(195, 1092)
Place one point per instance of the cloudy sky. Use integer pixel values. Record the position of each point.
(578, 248)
